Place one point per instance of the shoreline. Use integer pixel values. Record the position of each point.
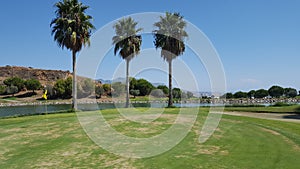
(215, 102)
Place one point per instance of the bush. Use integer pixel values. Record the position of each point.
(59, 88)
(280, 104)
(2, 89)
(63, 88)
(99, 91)
(164, 88)
(68, 87)
(12, 90)
(240, 94)
(15, 81)
(144, 87)
(107, 89)
(261, 93)
(85, 88)
(88, 86)
(134, 92)
(226, 96)
(276, 91)
(118, 89)
(176, 92)
(132, 83)
(33, 84)
(157, 93)
(245, 105)
(290, 92)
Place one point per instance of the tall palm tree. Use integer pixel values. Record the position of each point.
(169, 36)
(72, 29)
(127, 43)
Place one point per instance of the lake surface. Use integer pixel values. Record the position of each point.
(52, 108)
(39, 109)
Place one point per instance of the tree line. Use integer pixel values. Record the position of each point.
(15, 85)
(62, 88)
(139, 87)
(274, 92)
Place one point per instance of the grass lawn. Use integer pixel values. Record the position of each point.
(58, 141)
(8, 99)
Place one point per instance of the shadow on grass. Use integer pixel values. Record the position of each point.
(42, 113)
(28, 94)
(297, 110)
(9, 97)
(294, 116)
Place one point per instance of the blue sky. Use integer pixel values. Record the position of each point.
(258, 41)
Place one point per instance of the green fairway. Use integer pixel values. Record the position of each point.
(58, 141)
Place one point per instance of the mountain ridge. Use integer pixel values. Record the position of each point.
(43, 75)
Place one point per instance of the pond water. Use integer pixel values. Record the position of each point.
(39, 109)
(52, 108)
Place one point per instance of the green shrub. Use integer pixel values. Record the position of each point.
(88, 86)
(164, 88)
(15, 81)
(134, 92)
(12, 90)
(144, 87)
(118, 89)
(99, 91)
(281, 104)
(176, 92)
(107, 89)
(32, 84)
(245, 105)
(63, 88)
(2, 89)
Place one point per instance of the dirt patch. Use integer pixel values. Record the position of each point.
(119, 163)
(208, 150)
(181, 156)
(271, 131)
(287, 140)
(3, 150)
(232, 121)
(46, 164)
(12, 130)
(224, 152)
(69, 153)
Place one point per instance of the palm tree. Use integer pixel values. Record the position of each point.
(169, 37)
(127, 43)
(72, 29)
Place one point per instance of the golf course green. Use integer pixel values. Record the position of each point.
(58, 141)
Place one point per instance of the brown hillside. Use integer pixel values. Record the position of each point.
(44, 76)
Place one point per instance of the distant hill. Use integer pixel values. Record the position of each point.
(50, 76)
(44, 76)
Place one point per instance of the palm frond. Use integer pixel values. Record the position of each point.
(169, 35)
(71, 27)
(127, 42)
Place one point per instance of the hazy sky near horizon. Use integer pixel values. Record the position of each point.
(257, 41)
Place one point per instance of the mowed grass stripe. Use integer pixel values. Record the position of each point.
(58, 141)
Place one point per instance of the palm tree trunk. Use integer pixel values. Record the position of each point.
(127, 83)
(170, 103)
(74, 88)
